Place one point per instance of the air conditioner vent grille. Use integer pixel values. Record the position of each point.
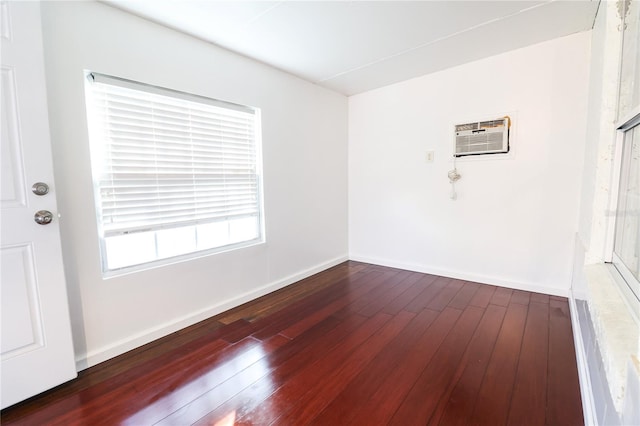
(483, 137)
(469, 126)
(491, 124)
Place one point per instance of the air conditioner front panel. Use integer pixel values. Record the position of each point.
(484, 137)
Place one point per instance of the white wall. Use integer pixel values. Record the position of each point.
(515, 219)
(305, 173)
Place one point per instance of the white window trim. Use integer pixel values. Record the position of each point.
(107, 274)
(621, 277)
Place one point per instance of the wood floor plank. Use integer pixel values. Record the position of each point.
(273, 302)
(456, 409)
(278, 321)
(313, 402)
(400, 303)
(116, 404)
(520, 296)
(360, 390)
(422, 399)
(388, 396)
(494, 396)
(113, 388)
(357, 287)
(238, 330)
(287, 395)
(286, 362)
(563, 396)
(167, 392)
(445, 296)
(502, 296)
(355, 344)
(217, 395)
(377, 287)
(371, 281)
(530, 389)
(387, 294)
(464, 296)
(483, 296)
(539, 297)
(434, 286)
(195, 335)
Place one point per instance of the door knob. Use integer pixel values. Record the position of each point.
(43, 217)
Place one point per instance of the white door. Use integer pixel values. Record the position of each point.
(36, 346)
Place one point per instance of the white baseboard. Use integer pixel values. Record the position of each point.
(428, 269)
(97, 356)
(586, 391)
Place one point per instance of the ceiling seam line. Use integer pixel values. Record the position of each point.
(264, 12)
(322, 80)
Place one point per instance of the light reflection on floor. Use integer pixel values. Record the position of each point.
(228, 420)
(206, 391)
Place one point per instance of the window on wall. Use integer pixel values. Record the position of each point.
(625, 235)
(175, 175)
(626, 243)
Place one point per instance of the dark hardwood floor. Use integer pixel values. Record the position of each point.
(357, 344)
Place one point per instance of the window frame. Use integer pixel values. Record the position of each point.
(623, 277)
(90, 77)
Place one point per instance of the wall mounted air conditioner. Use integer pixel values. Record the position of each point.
(482, 137)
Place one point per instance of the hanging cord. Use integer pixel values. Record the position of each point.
(454, 176)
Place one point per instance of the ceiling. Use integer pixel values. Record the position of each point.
(355, 46)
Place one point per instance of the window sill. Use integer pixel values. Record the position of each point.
(617, 331)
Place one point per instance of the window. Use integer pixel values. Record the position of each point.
(175, 175)
(626, 243)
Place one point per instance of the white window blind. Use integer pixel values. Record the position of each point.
(164, 159)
